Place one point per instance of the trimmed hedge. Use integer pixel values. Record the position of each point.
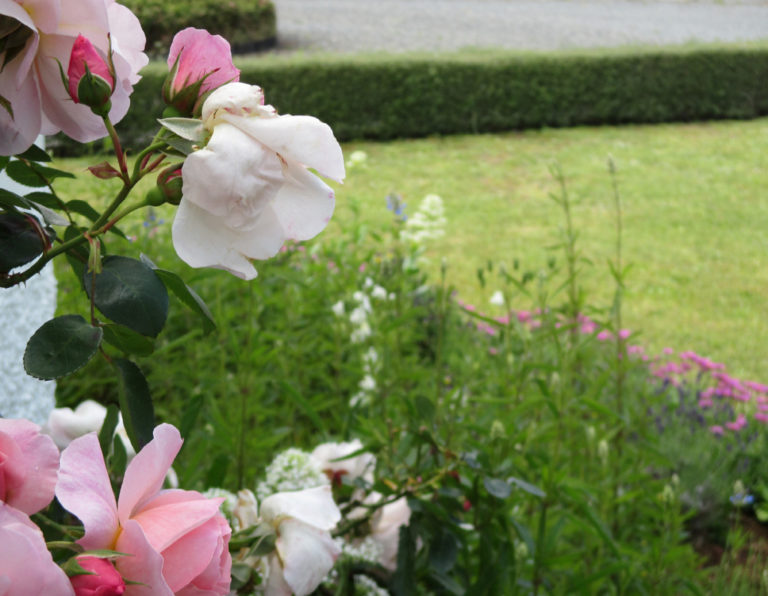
(394, 96)
(247, 24)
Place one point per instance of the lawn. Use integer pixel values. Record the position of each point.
(694, 215)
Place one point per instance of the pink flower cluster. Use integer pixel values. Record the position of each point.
(688, 368)
(174, 541)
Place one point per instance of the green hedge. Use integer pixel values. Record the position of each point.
(246, 24)
(384, 97)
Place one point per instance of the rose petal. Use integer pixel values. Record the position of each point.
(84, 490)
(304, 205)
(312, 506)
(145, 475)
(38, 462)
(304, 139)
(26, 566)
(308, 554)
(144, 565)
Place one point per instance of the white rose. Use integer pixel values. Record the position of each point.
(359, 466)
(305, 551)
(249, 190)
(385, 529)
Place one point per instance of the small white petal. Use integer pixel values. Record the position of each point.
(308, 554)
(313, 506)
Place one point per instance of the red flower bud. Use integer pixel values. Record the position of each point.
(91, 80)
(103, 579)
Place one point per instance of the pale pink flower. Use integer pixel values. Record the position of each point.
(249, 190)
(738, 424)
(716, 430)
(29, 462)
(761, 417)
(202, 58)
(305, 551)
(177, 539)
(26, 565)
(385, 529)
(31, 81)
(102, 580)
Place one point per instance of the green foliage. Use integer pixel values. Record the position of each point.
(246, 24)
(411, 96)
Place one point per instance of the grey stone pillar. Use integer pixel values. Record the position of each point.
(23, 309)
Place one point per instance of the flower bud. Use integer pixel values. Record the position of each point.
(169, 184)
(102, 578)
(199, 63)
(91, 80)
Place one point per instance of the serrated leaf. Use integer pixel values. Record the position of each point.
(135, 403)
(184, 293)
(33, 175)
(104, 171)
(20, 241)
(130, 293)
(497, 487)
(127, 340)
(35, 153)
(60, 347)
(190, 129)
(4, 159)
(51, 217)
(44, 198)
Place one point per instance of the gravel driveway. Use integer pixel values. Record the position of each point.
(402, 25)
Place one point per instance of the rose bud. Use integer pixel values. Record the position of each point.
(168, 189)
(102, 578)
(199, 63)
(91, 80)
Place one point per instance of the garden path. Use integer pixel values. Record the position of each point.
(404, 25)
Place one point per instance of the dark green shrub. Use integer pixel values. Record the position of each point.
(384, 97)
(247, 24)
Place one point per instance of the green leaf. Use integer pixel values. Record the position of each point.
(129, 293)
(187, 128)
(33, 175)
(128, 341)
(135, 403)
(108, 429)
(443, 550)
(497, 487)
(402, 580)
(182, 146)
(82, 208)
(4, 159)
(189, 297)
(527, 487)
(10, 200)
(44, 198)
(20, 241)
(35, 153)
(60, 347)
(119, 458)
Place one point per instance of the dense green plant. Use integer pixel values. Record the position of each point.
(247, 25)
(527, 452)
(386, 97)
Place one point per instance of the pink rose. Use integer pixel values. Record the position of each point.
(26, 566)
(177, 539)
(31, 81)
(199, 62)
(102, 580)
(28, 466)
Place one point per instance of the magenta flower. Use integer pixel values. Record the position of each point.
(177, 539)
(199, 63)
(103, 579)
(29, 462)
(91, 80)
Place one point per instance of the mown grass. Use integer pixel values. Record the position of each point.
(694, 217)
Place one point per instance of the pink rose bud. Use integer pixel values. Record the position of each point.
(102, 580)
(91, 80)
(199, 63)
(168, 189)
